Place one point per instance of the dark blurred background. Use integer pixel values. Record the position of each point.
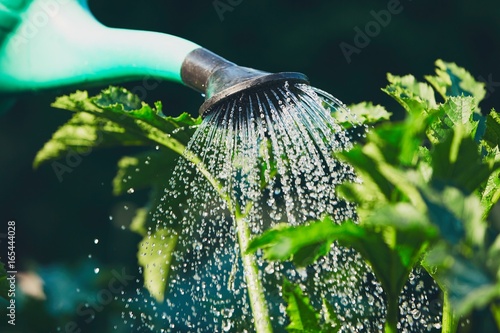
(58, 221)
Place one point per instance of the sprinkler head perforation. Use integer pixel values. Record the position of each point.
(256, 84)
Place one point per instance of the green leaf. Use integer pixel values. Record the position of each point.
(460, 110)
(412, 95)
(381, 165)
(155, 256)
(399, 142)
(283, 242)
(364, 113)
(141, 223)
(4, 284)
(493, 258)
(457, 162)
(367, 169)
(450, 226)
(491, 193)
(391, 240)
(303, 317)
(466, 282)
(119, 100)
(492, 133)
(457, 215)
(102, 121)
(366, 195)
(455, 112)
(310, 253)
(148, 169)
(490, 143)
(397, 177)
(495, 309)
(391, 252)
(452, 80)
(405, 233)
(402, 216)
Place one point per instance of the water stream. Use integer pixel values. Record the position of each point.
(270, 152)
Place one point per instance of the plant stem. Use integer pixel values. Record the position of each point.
(391, 321)
(449, 321)
(256, 294)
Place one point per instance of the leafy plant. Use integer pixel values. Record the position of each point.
(117, 117)
(428, 184)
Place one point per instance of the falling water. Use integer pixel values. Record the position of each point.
(270, 155)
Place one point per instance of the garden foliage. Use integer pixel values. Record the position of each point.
(427, 187)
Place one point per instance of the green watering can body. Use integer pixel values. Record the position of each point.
(51, 44)
(48, 44)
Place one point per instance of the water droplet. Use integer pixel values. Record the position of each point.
(226, 325)
(270, 151)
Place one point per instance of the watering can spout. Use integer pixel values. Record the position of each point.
(47, 44)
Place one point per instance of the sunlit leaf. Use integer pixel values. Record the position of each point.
(492, 133)
(406, 232)
(493, 258)
(155, 257)
(400, 142)
(283, 242)
(102, 121)
(495, 309)
(141, 223)
(366, 195)
(367, 168)
(460, 110)
(364, 113)
(414, 96)
(490, 144)
(491, 193)
(457, 162)
(303, 317)
(391, 176)
(452, 80)
(455, 112)
(391, 259)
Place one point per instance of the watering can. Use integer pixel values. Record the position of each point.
(50, 44)
(47, 44)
